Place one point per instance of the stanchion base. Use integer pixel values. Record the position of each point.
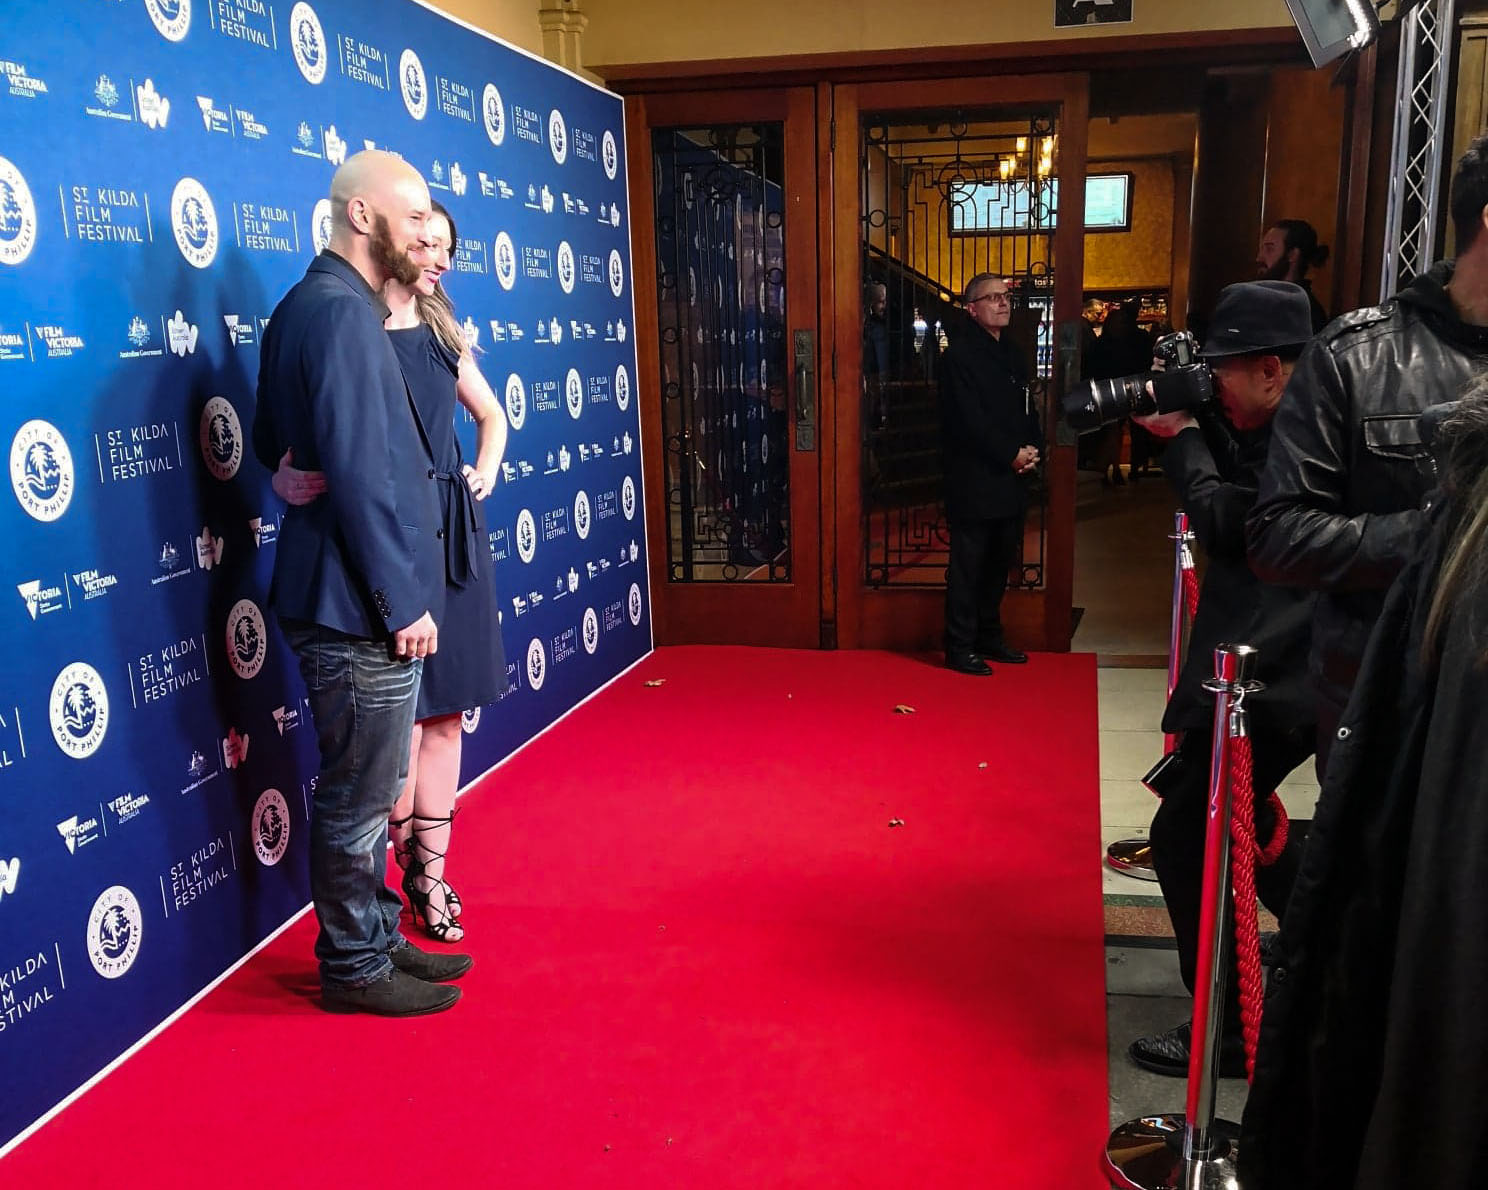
(1132, 857)
(1147, 1154)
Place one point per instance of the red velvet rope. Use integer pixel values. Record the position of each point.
(1247, 928)
(1191, 591)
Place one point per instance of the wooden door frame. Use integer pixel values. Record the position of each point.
(890, 618)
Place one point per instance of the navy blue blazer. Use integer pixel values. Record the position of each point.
(365, 558)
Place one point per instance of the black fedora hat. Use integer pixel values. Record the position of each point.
(1258, 317)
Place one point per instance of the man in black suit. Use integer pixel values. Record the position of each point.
(358, 574)
(992, 441)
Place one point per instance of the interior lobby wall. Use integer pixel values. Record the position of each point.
(511, 20)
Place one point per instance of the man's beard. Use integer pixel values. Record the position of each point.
(397, 264)
(1277, 272)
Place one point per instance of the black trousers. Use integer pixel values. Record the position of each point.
(1177, 838)
(982, 553)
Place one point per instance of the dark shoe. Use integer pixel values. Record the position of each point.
(395, 994)
(1004, 654)
(968, 663)
(432, 968)
(1167, 1053)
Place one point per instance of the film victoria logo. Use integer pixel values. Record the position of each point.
(172, 18)
(526, 535)
(610, 155)
(415, 84)
(115, 927)
(79, 708)
(247, 639)
(590, 631)
(320, 225)
(470, 720)
(537, 664)
(494, 113)
(17, 215)
(194, 221)
(270, 827)
(308, 41)
(21, 83)
(41, 472)
(221, 435)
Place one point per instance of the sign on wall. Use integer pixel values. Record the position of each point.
(163, 181)
(1092, 12)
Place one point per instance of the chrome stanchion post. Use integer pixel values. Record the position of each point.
(1195, 1151)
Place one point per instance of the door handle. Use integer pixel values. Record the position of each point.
(805, 356)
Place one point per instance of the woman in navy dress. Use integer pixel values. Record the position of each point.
(469, 669)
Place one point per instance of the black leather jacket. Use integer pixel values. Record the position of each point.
(1339, 508)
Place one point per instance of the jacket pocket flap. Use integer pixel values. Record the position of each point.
(1392, 434)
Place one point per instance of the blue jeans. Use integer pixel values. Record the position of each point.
(362, 703)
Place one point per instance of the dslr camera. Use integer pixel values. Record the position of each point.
(1184, 383)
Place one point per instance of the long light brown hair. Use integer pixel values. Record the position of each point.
(437, 309)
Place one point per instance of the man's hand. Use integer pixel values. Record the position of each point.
(419, 639)
(1167, 425)
(294, 486)
(1026, 459)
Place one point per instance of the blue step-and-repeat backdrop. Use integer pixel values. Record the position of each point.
(163, 171)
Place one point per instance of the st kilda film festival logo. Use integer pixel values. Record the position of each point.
(115, 928)
(79, 707)
(247, 639)
(307, 40)
(221, 435)
(41, 471)
(270, 827)
(194, 221)
(415, 84)
(172, 18)
(494, 113)
(17, 215)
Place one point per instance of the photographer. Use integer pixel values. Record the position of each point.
(1258, 330)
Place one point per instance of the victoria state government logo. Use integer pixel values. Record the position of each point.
(320, 225)
(270, 827)
(17, 215)
(172, 17)
(495, 114)
(41, 473)
(247, 639)
(79, 710)
(537, 664)
(194, 220)
(221, 436)
(415, 85)
(308, 40)
(115, 927)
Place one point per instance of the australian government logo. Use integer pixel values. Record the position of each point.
(194, 220)
(415, 84)
(270, 827)
(308, 41)
(494, 114)
(143, 343)
(17, 215)
(172, 18)
(41, 472)
(115, 927)
(221, 438)
(106, 100)
(79, 708)
(247, 639)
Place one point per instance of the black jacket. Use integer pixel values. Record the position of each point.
(1341, 492)
(1215, 472)
(987, 417)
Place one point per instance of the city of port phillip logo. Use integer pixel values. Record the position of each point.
(617, 272)
(115, 927)
(628, 498)
(633, 605)
(415, 85)
(526, 535)
(591, 631)
(79, 708)
(622, 388)
(566, 267)
(270, 827)
(172, 18)
(41, 473)
(17, 215)
(309, 43)
(610, 155)
(247, 639)
(221, 435)
(557, 136)
(573, 393)
(194, 220)
(516, 402)
(320, 225)
(537, 664)
(506, 260)
(583, 520)
(495, 114)
(470, 720)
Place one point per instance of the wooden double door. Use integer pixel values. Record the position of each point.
(799, 256)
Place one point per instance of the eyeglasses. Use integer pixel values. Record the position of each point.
(1004, 298)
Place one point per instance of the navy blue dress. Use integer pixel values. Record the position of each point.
(469, 670)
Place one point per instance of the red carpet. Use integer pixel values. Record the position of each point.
(704, 959)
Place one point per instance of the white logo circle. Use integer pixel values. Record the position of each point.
(221, 438)
(558, 136)
(566, 267)
(622, 388)
(79, 709)
(495, 114)
(247, 639)
(627, 498)
(634, 605)
(270, 827)
(172, 17)
(17, 215)
(41, 470)
(617, 272)
(516, 402)
(415, 85)
(526, 536)
(320, 225)
(194, 220)
(590, 631)
(506, 260)
(470, 720)
(573, 393)
(308, 40)
(582, 520)
(115, 927)
(610, 155)
(537, 664)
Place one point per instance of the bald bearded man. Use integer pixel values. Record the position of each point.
(358, 574)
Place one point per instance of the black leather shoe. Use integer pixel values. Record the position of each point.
(968, 663)
(432, 968)
(395, 994)
(1167, 1053)
(1003, 654)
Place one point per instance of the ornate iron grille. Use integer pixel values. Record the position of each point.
(943, 198)
(720, 252)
